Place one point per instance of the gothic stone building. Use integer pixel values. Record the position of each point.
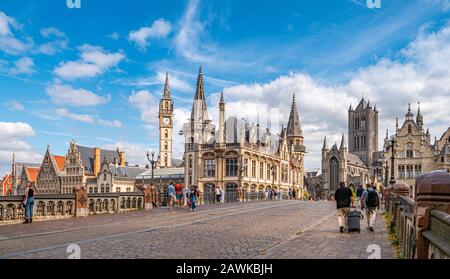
(239, 155)
(360, 162)
(414, 152)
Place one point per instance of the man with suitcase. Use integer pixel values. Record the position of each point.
(343, 197)
(372, 202)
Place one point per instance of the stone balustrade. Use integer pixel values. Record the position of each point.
(423, 224)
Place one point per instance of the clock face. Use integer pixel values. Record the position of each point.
(166, 121)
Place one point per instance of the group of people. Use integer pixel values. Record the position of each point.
(369, 201)
(182, 196)
(275, 194)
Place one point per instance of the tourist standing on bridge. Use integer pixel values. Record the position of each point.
(372, 204)
(171, 196)
(193, 194)
(343, 197)
(179, 193)
(186, 192)
(222, 195)
(218, 197)
(28, 201)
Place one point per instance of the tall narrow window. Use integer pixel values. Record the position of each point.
(409, 129)
(210, 168)
(166, 133)
(231, 167)
(261, 170)
(253, 169)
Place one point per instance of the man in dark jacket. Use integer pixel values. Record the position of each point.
(343, 197)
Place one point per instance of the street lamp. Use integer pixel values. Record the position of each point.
(152, 161)
(242, 168)
(393, 142)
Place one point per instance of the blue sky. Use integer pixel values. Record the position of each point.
(95, 74)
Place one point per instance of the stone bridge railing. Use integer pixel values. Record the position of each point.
(422, 224)
(55, 206)
(45, 207)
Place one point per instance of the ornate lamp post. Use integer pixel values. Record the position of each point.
(393, 142)
(152, 161)
(242, 169)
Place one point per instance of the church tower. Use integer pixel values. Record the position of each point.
(363, 131)
(165, 127)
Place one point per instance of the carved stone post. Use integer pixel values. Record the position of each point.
(432, 192)
(81, 201)
(399, 189)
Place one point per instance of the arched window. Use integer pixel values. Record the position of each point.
(166, 146)
(166, 133)
(409, 151)
(334, 174)
(166, 105)
(409, 129)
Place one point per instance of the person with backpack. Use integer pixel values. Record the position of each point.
(359, 193)
(343, 197)
(372, 204)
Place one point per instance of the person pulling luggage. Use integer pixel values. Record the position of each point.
(343, 197)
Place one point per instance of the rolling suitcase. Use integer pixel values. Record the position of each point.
(354, 221)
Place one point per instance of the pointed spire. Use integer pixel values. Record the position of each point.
(343, 144)
(418, 108)
(166, 88)
(294, 128)
(387, 133)
(396, 124)
(325, 145)
(409, 115)
(350, 108)
(222, 100)
(200, 90)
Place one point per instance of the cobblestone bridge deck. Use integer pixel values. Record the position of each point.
(273, 229)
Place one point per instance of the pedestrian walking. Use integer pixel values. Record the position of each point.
(280, 194)
(171, 196)
(222, 195)
(193, 195)
(372, 202)
(294, 194)
(359, 193)
(218, 197)
(186, 192)
(179, 193)
(343, 197)
(28, 202)
(266, 194)
(290, 193)
(275, 194)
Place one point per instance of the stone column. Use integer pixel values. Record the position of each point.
(432, 192)
(81, 201)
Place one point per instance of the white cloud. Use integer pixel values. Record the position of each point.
(8, 42)
(52, 31)
(94, 61)
(15, 105)
(188, 37)
(24, 65)
(67, 95)
(175, 82)
(77, 117)
(15, 129)
(114, 36)
(147, 104)
(135, 153)
(159, 29)
(87, 118)
(12, 141)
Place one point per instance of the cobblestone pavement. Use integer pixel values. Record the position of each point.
(241, 230)
(323, 241)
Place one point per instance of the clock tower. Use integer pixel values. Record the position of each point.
(165, 127)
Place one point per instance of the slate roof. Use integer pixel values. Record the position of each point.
(87, 157)
(355, 160)
(175, 173)
(131, 172)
